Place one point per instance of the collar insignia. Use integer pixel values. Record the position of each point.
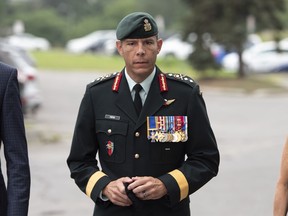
(116, 83)
(162, 83)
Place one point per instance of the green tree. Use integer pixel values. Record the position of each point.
(2, 11)
(83, 17)
(226, 21)
(62, 20)
(51, 26)
(113, 10)
(173, 12)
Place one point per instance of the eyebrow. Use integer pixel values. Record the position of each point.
(144, 39)
(136, 40)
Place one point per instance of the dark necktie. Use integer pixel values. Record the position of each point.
(137, 100)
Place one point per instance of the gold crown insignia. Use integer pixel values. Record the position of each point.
(147, 25)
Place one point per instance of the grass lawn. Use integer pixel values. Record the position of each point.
(58, 59)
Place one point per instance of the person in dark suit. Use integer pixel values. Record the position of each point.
(14, 199)
(154, 140)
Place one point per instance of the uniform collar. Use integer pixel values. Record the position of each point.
(145, 84)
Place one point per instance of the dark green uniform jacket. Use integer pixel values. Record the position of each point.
(108, 125)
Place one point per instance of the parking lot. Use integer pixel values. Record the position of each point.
(250, 130)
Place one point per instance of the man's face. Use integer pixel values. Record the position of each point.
(139, 56)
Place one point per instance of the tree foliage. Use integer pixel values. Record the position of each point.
(226, 21)
(74, 18)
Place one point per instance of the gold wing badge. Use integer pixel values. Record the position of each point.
(168, 102)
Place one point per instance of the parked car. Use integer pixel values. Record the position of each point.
(28, 41)
(96, 41)
(260, 58)
(174, 46)
(27, 76)
(218, 51)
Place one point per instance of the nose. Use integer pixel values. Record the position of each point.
(140, 49)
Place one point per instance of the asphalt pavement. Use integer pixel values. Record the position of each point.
(250, 130)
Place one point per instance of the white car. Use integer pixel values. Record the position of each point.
(261, 58)
(27, 76)
(91, 42)
(28, 41)
(176, 47)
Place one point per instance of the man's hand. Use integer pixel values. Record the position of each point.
(147, 188)
(115, 192)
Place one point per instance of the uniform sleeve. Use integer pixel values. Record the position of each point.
(201, 150)
(15, 149)
(82, 158)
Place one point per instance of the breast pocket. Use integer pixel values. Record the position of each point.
(166, 153)
(111, 136)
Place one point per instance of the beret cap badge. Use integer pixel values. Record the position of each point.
(147, 25)
(136, 25)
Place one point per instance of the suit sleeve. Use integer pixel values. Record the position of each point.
(82, 158)
(201, 150)
(15, 150)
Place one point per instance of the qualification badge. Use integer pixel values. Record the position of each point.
(110, 147)
(167, 128)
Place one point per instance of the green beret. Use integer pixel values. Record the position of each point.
(136, 25)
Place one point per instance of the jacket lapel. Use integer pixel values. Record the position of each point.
(153, 102)
(124, 100)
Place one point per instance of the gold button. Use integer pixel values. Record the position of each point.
(109, 131)
(136, 156)
(137, 134)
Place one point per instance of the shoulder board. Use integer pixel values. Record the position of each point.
(181, 78)
(103, 79)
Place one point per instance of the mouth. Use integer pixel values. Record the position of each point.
(140, 62)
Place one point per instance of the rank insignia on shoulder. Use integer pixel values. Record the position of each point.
(104, 78)
(167, 128)
(181, 77)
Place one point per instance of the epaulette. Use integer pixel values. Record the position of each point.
(181, 78)
(185, 79)
(103, 78)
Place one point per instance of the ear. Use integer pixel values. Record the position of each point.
(159, 44)
(119, 47)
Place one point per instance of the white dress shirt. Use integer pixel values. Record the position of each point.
(145, 85)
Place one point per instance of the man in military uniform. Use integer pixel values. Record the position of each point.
(154, 140)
